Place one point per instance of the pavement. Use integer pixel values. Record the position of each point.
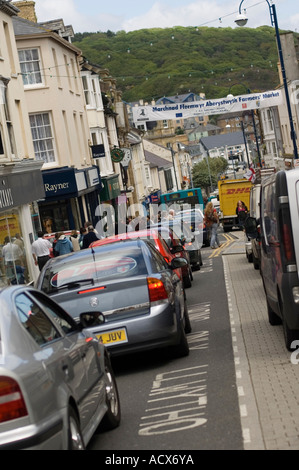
(267, 380)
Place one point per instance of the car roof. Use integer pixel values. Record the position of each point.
(87, 252)
(127, 236)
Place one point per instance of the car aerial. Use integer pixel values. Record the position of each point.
(154, 237)
(56, 381)
(141, 297)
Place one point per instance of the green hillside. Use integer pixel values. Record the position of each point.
(151, 63)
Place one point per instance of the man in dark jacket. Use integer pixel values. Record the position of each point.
(89, 237)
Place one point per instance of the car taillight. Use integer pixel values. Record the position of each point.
(12, 405)
(287, 236)
(156, 289)
(287, 242)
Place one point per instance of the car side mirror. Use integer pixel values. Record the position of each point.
(91, 319)
(177, 263)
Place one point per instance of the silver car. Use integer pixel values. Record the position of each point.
(140, 295)
(56, 381)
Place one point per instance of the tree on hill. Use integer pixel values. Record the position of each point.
(203, 174)
(151, 63)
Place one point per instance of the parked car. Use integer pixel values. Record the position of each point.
(56, 381)
(279, 224)
(140, 295)
(177, 248)
(188, 240)
(194, 218)
(154, 237)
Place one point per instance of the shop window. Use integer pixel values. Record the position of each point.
(13, 257)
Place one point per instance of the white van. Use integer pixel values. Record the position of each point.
(279, 223)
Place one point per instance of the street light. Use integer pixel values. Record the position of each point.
(241, 20)
(252, 114)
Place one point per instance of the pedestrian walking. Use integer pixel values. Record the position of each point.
(41, 250)
(212, 223)
(63, 246)
(241, 212)
(89, 237)
(75, 240)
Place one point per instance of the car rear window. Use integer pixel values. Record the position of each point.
(106, 264)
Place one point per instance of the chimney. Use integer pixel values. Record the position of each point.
(27, 10)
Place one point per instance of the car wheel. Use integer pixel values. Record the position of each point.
(112, 417)
(187, 322)
(75, 439)
(274, 319)
(187, 281)
(182, 349)
(255, 261)
(289, 335)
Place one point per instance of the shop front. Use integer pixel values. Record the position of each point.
(110, 196)
(71, 198)
(21, 185)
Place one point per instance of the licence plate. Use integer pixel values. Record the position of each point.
(112, 337)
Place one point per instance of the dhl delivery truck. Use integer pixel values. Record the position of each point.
(230, 192)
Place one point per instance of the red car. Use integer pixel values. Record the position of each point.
(169, 248)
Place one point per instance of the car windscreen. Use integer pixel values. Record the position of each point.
(105, 264)
(190, 217)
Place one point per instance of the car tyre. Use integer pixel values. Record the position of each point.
(188, 327)
(187, 280)
(182, 348)
(75, 439)
(256, 262)
(112, 417)
(274, 319)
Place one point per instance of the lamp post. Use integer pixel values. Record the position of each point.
(241, 21)
(253, 123)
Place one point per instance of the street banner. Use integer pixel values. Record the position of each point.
(231, 104)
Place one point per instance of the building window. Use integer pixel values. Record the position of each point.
(30, 66)
(86, 90)
(42, 137)
(148, 176)
(165, 124)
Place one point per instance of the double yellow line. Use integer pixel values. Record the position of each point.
(216, 252)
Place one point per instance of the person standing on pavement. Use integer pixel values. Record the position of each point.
(41, 250)
(75, 240)
(89, 237)
(212, 223)
(241, 212)
(63, 246)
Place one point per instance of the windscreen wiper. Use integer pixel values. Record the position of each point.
(74, 284)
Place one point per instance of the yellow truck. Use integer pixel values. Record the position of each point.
(230, 192)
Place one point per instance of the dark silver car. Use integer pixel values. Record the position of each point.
(56, 381)
(140, 295)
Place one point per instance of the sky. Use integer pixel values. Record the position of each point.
(130, 15)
